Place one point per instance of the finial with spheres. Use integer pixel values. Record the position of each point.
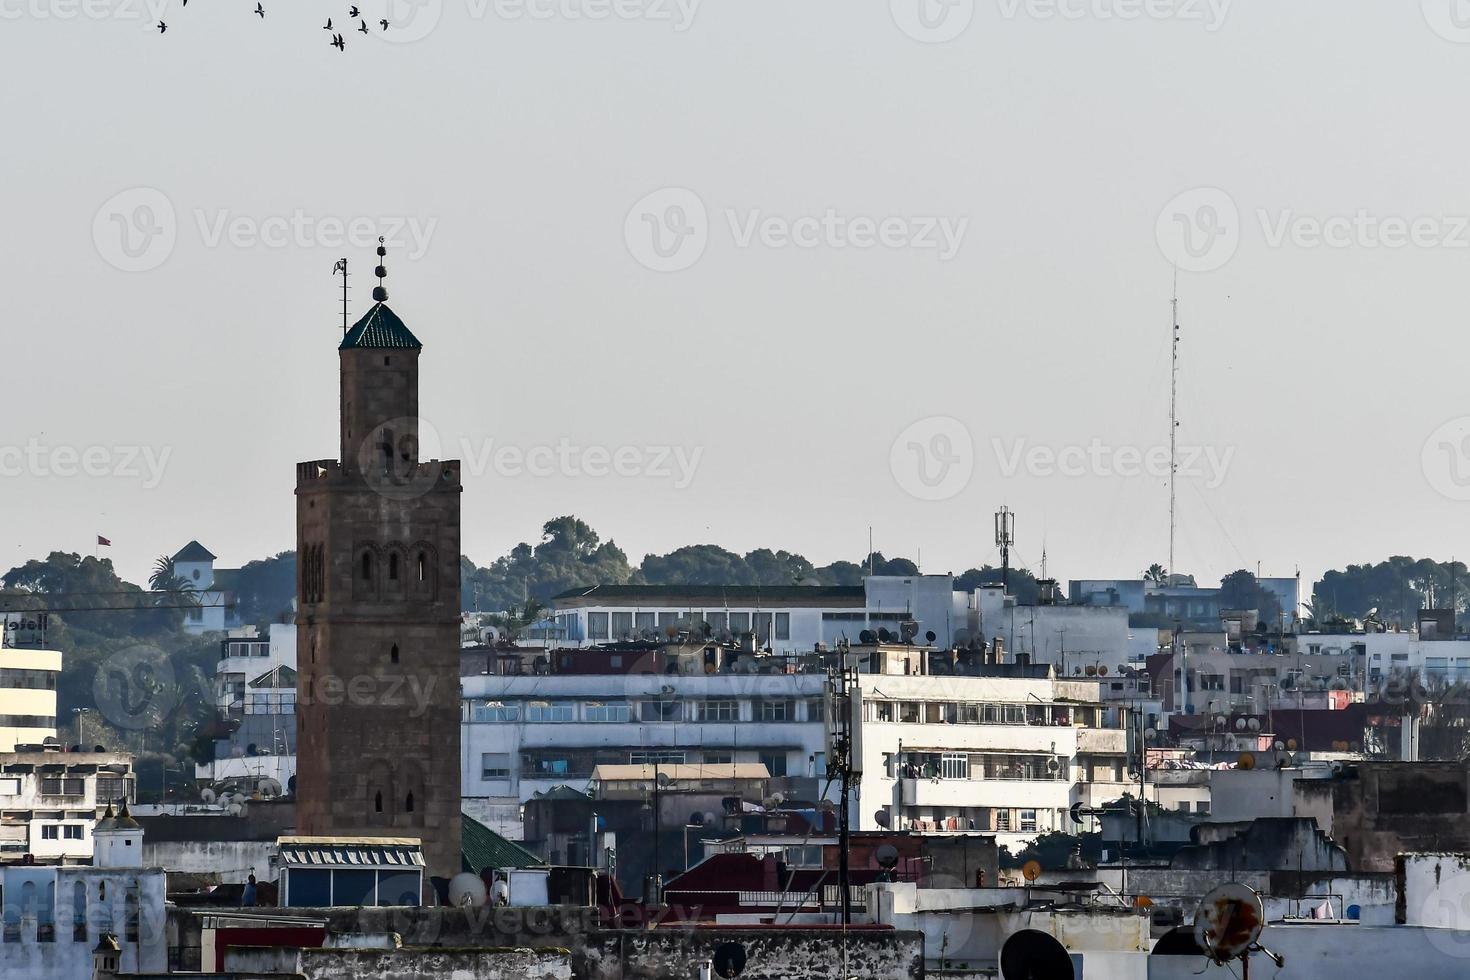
(380, 293)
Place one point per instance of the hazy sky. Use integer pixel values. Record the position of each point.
(851, 264)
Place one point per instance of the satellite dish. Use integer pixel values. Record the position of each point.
(882, 819)
(235, 809)
(1102, 670)
(1254, 724)
(1229, 921)
(884, 635)
(270, 788)
(696, 819)
(1247, 761)
(663, 780)
(1031, 870)
(207, 795)
(500, 893)
(1091, 670)
(1053, 765)
(1033, 955)
(931, 636)
(467, 890)
(886, 856)
(729, 960)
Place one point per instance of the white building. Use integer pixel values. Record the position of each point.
(1006, 754)
(55, 916)
(255, 689)
(785, 618)
(1070, 637)
(49, 800)
(523, 735)
(28, 673)
(213, 587)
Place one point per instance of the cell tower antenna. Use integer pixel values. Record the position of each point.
(1005, 536)
(1173, 417)
(341, 269)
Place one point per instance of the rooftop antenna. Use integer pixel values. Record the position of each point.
(380, 292)
(1173, 415)
(341, 269)
(1005, 536)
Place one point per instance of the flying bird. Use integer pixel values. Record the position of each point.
(329, 25)
(364, 27)
(162, 27)
(338, 43)
(353, 13)
(384, 23)
(260, 10)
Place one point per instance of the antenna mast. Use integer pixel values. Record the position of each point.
(1173, 416)
(341, 268)
(1005, 536)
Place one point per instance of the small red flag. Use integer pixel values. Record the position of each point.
(101, 540)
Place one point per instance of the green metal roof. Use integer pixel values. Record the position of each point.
(380, 327)
(481, 848)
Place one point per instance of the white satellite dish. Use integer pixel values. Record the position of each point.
(207, 795)
(500, 893)
(467, 890)
(1229, 922)
(270, 788)
(235, 809)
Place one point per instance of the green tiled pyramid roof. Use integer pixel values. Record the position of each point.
(483, 848)
(380, 327)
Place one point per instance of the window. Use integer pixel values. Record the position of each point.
(783, 626)
(723, 710)
(775, 762)
(661, 757)
(719, 758)
(1028, 821)
(555, 711)
(72, 831)
(954, 766)
(644, 621)
(622, 625)
(909, 712)
(423, 567)
(408, 804)
(9, 786)
(495, 711)
(763, 626)
(494, 766)
(658, 711)
(774, 711)
(378, 802)
(739, 623)
(617, 711)
(393, 654)
(885, 711)
(1003, 820)
(367, 567)
(51, 831)
(597, 626)
(393, 566)
(816, 709)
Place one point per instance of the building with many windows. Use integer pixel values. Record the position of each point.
(783, 618)
(255, 693)
(28, 673)
(49, 800)
(525, 735)
(1006, 754)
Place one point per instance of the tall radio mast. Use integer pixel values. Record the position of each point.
(1173, 417)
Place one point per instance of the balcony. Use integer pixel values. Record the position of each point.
(1039, 793)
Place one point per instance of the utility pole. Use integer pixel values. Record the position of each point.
(842, 680)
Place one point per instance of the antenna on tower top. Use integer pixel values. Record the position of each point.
(1173, 416)
(1005, 536)
(341, 268)
(380, 292)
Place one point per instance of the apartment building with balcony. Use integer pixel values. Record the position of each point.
(50, 800)
(1007, 755)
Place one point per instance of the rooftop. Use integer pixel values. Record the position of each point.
(719, 595)
(194, 551)
(380, 328)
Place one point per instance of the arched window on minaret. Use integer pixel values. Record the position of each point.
(386, 448)
(393, 654)
(367, 566)
(393, 566)
(408, 804)
(378, 802)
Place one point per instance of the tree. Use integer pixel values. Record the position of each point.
(1240, 590)
(171, 590)
(1022, 583)
(1157, 574)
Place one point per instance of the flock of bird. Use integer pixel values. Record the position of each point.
(353, 13)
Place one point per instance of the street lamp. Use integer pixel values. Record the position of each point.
(81, 730)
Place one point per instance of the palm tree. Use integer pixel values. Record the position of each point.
(1156, 574)
(169, 585)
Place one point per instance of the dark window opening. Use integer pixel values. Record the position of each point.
(408, 804)
(393, 654)
(367, 567)
(423, 566)
(378, 802)
(393, 567)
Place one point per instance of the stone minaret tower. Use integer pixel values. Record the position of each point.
(377, 582)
